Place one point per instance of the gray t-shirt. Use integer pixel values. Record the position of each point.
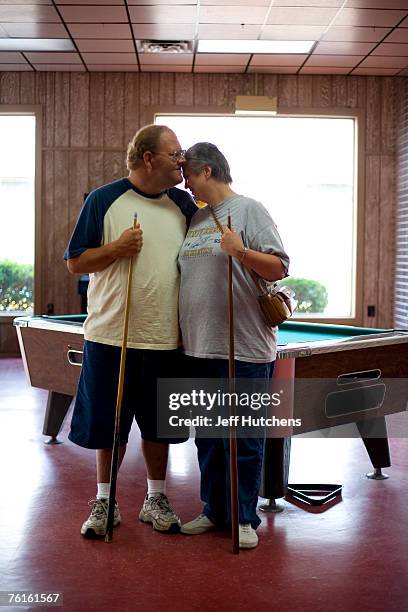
(203, 304)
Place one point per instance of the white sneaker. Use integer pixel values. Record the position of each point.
(201, 524)
(95, 525)
(247, 536)
(157, 510)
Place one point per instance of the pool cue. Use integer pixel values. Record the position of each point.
(116, 437)
(232, 430)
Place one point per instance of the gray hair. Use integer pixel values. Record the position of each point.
(207, 154)
(146, 139)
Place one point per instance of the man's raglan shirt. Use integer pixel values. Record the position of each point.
(107, 212)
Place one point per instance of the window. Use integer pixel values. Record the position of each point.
(17, 211)
(401, 270)
(303, 170)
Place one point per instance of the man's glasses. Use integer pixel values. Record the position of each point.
(176, 156)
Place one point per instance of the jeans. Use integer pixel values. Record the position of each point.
(213, 453)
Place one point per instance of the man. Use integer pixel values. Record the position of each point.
(101, 244)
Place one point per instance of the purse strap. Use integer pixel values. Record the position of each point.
(254, 276)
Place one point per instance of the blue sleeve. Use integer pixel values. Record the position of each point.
(184, 201)
(88, 230)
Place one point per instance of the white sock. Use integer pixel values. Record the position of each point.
(155, 486)
(103, 490)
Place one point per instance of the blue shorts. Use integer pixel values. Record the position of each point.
(93, 419)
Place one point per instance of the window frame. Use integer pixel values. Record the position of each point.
(359, 182)
(36, 111)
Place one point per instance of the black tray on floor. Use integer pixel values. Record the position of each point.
(308, 493)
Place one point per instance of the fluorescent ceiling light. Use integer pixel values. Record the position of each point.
(255, 105)
(36, 44)
(255, 46)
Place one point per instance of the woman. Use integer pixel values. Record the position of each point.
(254, 244)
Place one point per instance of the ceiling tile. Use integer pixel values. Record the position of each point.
(376, 61)
(368, 17)
(90, 2)
(109, 58)
(35, 30)
(278, 60)
(235, 2)
(334, 60)
(273, 69)
(166, 59)
(355, 34)
(301, 16)
(158, 31)
(288, 32)
(343, 48)
(21, 2)
(226, 69)
(163, 14)
(15, 67)
(228, 31)
(391, 49)
(59, 67)
(166, 2)
(400, 35)
(113, 68)
(307, 3)
(378, 4)
(233, 14)
(324, 70)
(164, 68)
(105, 46)
(11, 57)
(28, 13)
(92, 14)
(376, 71)
(100, 30)
(37, 57)
(222, 59)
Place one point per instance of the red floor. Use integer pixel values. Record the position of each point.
(352, 557)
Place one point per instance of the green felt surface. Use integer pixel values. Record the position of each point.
(293, 331)
(65, 318)
(289, 332)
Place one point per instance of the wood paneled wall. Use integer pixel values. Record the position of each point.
(89, 118)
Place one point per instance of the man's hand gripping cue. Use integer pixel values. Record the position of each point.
(130, 242)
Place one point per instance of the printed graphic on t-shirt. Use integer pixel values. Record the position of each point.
(200, 243)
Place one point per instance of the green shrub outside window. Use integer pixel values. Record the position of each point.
(311, 295)
(16, 286)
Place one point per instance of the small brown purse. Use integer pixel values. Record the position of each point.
(278, 303)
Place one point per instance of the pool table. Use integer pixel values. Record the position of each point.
(345, 359)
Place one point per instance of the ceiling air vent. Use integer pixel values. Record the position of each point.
(164, 46)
